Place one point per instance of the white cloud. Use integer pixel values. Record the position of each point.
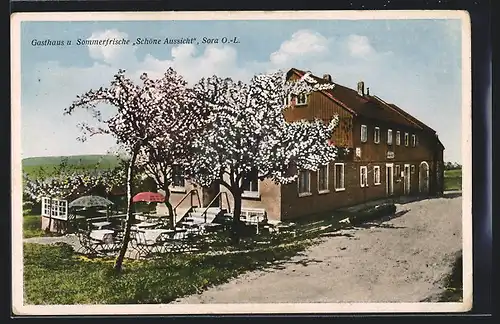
(302, 43)
(111, 54)
(220, 60)
(359, 46)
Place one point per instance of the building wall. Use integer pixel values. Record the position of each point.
(176, 195)
(425, 150)
(378, 152)
(269, 199)
(282, 202)
(321, 107)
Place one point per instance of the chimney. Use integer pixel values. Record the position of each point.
(361, 88)
(368, 91)
(327, 77)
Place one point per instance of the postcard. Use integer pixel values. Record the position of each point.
(242, 162)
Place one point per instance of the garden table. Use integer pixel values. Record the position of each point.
(146, 225)
(100, 225)
(102, 235)
(154, 234)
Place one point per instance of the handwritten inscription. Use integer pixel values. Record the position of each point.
(138, 41)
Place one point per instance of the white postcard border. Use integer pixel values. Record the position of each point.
(16, 181)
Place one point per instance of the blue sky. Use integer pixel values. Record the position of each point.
(415, 64)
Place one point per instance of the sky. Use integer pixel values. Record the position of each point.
(415, 64)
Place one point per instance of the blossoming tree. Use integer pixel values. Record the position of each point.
(66, 185)
(249, 134)
(146, 114)
(183, 117)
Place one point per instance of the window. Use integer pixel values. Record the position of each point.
(364, 133)
(55, 208)
(413, 169)
(323, 179)
(177, 176)
(304, 183)
(46, 206)
(398, 171)
(302, 99)
(339, 177)
(389, 136)
(376, 175)
(250, 185)
(363, 176)
(376, 135)
(406, 139)
(413, 140)
(398, 138)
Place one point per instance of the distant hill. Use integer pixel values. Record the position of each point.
(33, 164)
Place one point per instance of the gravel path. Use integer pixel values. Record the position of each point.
(401, 260)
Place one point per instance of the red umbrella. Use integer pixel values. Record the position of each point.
(149, 197)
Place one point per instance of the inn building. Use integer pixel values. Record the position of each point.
(390, 154)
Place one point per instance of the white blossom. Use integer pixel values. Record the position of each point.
(248, 131)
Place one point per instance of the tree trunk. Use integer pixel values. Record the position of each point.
(209, 193)
(130, 215)
(236, 228)
(171, 220)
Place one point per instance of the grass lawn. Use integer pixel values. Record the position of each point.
(54, 274)
(32, 226)
(453, 179)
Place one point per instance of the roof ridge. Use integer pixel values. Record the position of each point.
(397, 111)
(396, 107)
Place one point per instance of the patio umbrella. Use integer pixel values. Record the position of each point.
(90, 201)
(149, 197)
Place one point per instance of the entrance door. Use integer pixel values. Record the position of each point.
(389, 179)
(423, 178)
(407, 179)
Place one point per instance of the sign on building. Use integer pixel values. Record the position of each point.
(358, 152)
(55, 208)
(390, 155)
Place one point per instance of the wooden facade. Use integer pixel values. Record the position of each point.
(375, 167)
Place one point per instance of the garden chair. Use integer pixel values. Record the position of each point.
(110, 244)
(142, 245)
(174, 242)
(88, 245)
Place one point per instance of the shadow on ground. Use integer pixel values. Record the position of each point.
(446, 195)
(378, 223)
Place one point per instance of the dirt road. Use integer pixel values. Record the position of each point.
(400, 260)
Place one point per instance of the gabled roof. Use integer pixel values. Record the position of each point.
(367, 106)
(407, 115)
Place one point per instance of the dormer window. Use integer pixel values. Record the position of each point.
(301, 99)
(376, 135)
